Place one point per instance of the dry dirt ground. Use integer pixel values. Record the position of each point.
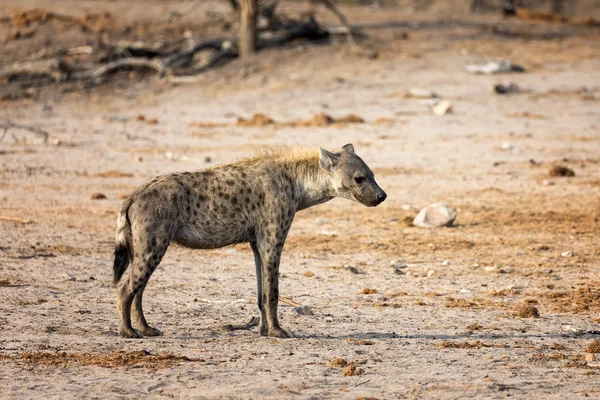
(450, 326)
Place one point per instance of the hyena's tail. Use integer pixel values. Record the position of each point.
(123, 245)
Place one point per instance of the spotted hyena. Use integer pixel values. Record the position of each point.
(252, 201)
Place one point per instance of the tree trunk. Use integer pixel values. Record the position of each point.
(247, 28)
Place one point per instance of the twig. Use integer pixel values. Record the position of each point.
(122, 63)
(15, 219)
(40, 132)
(289, 301)
(54, 68)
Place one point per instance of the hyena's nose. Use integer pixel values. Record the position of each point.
(381, 197)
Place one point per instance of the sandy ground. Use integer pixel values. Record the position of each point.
(448, 327)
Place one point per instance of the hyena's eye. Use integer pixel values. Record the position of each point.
(360, 179)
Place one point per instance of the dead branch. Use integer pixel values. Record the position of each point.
(119, 64)
(53, 68)
(185, 57)
(333, 8)
(178, 65)
(37, 131)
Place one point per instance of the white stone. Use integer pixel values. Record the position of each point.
(435, 215)
(442, 108)
(567, 254)
(421, 93)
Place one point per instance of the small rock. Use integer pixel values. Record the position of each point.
(494, 67)
(398, 271)
(490, 269)
(507, 270)
(446, 262)
(506, 146)
(442, 108)
(430, 273)
(506, 89)
(138, 158)
(419, 93)
(465, 291)
(352, 269)
(560, 170)
(398, 263)
(567, 254)
(98, 196)
(435, 215)
(589, 357)
(407, 207)
(304, 310)
(308, 274)
(547, 182)
(328, 232)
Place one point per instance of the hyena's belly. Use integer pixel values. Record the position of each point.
(212, 236)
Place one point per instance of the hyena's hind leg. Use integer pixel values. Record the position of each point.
(149, 251)
(138, 315)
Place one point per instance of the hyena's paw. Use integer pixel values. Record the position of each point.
(149, 331)
(263, 330)
(280, 333)
(130, 333)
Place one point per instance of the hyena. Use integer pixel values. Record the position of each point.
(251, 201)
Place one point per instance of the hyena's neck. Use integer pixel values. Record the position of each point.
(312, 183)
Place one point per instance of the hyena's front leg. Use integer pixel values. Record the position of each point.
(270, 256)
(260, 296)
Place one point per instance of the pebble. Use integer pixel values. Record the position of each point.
(419, 93)
(435, 215)
(430, 273)
(446, 262)
(442, 108)
(507, 270)
(490, 269)
(398, 263)
(304, 310)
(567, 254)
(465, 291)
(506, 89)
(352, 269)
(547, 182)
(590, 357)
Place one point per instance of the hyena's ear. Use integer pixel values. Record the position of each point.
(327, 160)
(348, 148)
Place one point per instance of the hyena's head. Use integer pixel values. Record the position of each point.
(350, 177)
